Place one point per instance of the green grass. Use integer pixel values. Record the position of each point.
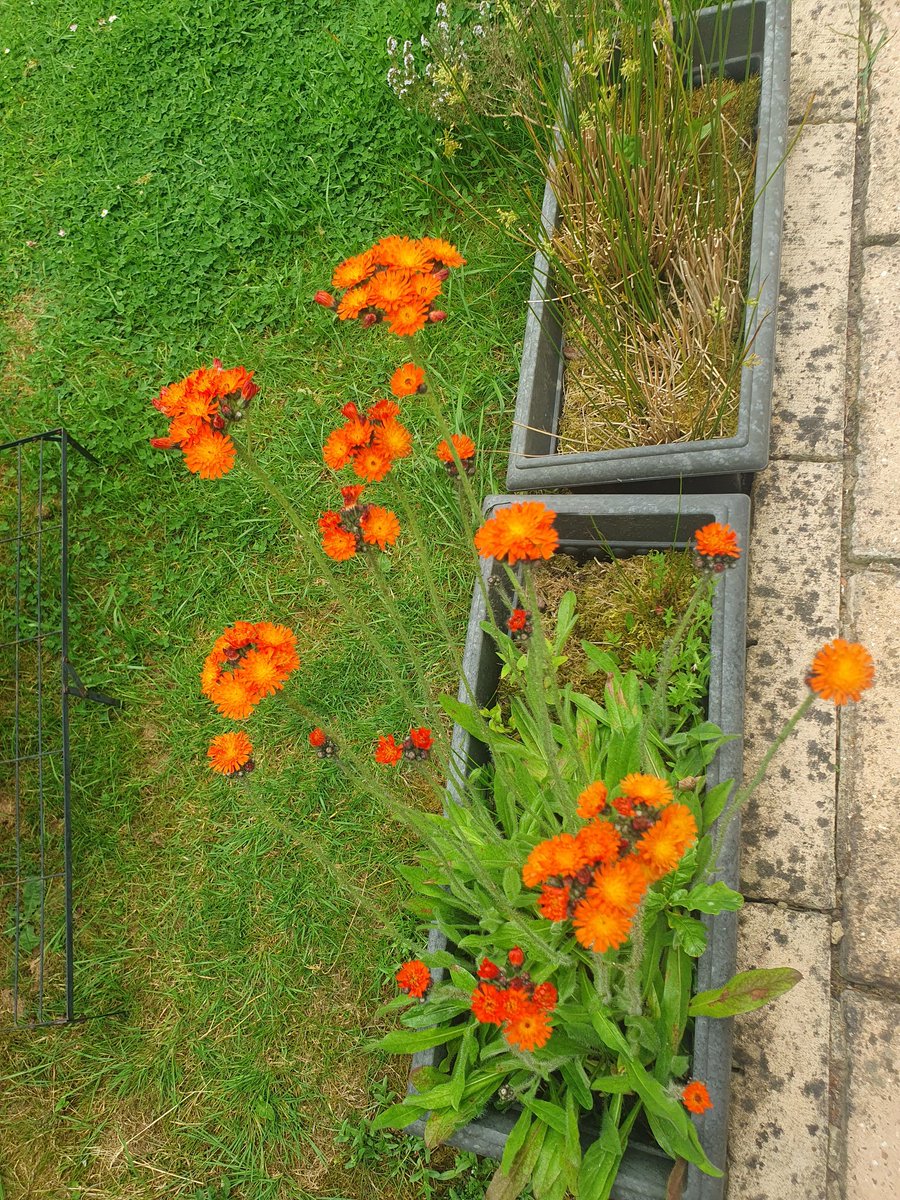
(240, 150)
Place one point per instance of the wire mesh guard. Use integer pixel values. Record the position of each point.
(37, 682)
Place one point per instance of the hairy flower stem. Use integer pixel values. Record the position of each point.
(631, 980)
(743, 794)
(602, 979)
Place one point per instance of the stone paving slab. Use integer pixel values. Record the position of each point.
(824, 59)
(810, 366)
(883, 190)
(794, 607)
(876, 494)
(870, 774)
(779, 1108)
(873, 1097)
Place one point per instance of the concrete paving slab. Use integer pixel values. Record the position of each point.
(882, 207)
(824, 59)
(779, 1110)
(794, 608)
(873, 1097)
(810, 366)
(876, 494)
(870, 775)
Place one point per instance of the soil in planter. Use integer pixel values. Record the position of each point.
(631, 381)
(629, 607)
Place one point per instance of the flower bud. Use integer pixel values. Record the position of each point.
(349, 410)
(324, 298)
(437, 315)
(441, 273)
(516, 957)
(369, 320)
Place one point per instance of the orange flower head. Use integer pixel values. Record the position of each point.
(537, 866)
(407, 380)
(390, 290)
(464, 446)
(488, 969)
(338, 450)
(233, 698)
(695, 1097)
(530, 1030)
(229, 752)
(516, 1000)
(600, 927)
(210, 455)
(545, 996)
(421, 738)
(358, 432)
(716, 542)
(489, 1004)
(425, 287)
(239, 635)
(260, 674)
(414, 978)
(317, 737)
(646, 789)
(379, 526)
(408, 318)
(387, 751)
(842, 671)
(620, 885)
(393, 440)
(402, 252)
(371, 464)
(353, 270)
(598, 842)
(339, 544)
(592, 800)
(350, 495)
(521, 531)
(354, 302)
(565, 856)
(661, 848)
(383, 410)
(442, 252)
(553, 903)
(329, 521)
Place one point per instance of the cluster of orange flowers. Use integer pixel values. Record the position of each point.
(371, 443)
(200, 408)
(249, 661)
(519, 532)
(342, 532)
(416, 745)
(598, 876)
(397, 280)
(520, 1006)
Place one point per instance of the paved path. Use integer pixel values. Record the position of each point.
(816, 1101)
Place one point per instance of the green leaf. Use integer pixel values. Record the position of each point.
(464, 716)
(747, 991)
(609, 1033)
(715, 800)
(507, 1185)
(551, 1114)
(565, 621)
(577, 1083)
(616, 1085)
(549, 1165)
(512, 884)
(398, 1116)
(438, 958)
(399, 1042)
(457, 1085)
(709, 898)
(515, 1141)
(689, 933)
(600, 660)
(463, 979)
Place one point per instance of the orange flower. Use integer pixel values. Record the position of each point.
(260, 674)
(337, 451)
(421, 738)
(600, 927)
(646, 789)
(464, 446)
(317, 737)
(591, 800)
(387, 751)
(598, 842)
(537, 865)
(488, 1004)
(210, 455)
(521, 531)
(842, 671)
(358, 432)
(408, 318)
(695, 1097)
(350, 495)
(545, 996)
(390, 290)
(402, 252)
(530, 1030)
(233, 698)
(354, 302)
(383, 410)
(442, 252)
(379, 526)
(425, 288)
(393, 439)
(407, 380)
(353, 270)
(620, 885)
(553, 903)
(371, 464)
(339, 544)
(565, 855)
(716, 541)
(516, 1000)
(414, 978)
(229, 752)
(662, 846)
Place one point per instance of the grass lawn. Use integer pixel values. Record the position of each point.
(237, 151)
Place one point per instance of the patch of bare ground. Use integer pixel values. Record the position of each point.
(19, 324)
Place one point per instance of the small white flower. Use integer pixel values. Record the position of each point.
(73, 28)
(478, 30)
(6, 49)
(112, 17)
(104, 212)
(425, 42)
(392, 45)
(441, 9)
(407, 46)
(61, 232)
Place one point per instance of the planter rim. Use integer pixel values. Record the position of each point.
(539, 396)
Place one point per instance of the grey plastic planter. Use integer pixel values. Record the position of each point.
(758, 33)
(633, 525)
